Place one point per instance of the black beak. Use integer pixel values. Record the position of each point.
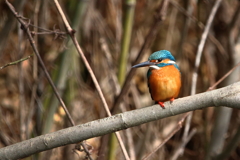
(143, 64)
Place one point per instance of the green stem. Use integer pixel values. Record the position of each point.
(127, 32)
(126, 39)
(16, 62)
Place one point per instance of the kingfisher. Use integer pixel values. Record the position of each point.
(164, 76)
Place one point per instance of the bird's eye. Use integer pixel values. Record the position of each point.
(159, 60)
(156, 60)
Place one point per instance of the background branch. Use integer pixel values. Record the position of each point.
(16, 62)
(31, 40)
(71, 32)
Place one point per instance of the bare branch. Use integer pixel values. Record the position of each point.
(201, 45)
(24, 26)
(227, 96)
(197, 63)
(16, 62)
(94, 79)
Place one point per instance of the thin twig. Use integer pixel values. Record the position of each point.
(31, 40)
(24, 26)
(197, 63)
(186, 13)
(235, 18)
(16, 62)
(71, 33)
(26, 29)
(183, 144)
(22, 100)
(33, 99)
(223, 77)
(178, 127)
(131, 144)
(113, 78)
(80, 52)
(199, 55)
(201, 45)
(200, 25)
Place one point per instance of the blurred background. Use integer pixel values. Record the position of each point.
(112, 34)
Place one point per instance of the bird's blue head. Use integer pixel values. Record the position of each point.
(161, 55)
(157, 60)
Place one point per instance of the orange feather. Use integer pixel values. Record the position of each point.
(164, 83)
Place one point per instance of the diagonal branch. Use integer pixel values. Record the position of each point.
(71, 32)
(201, 45)
(227, 96)
(24, 26)
(17, 61)
(197, 64)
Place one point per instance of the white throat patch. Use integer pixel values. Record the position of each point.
(154, 66)
(171, 62)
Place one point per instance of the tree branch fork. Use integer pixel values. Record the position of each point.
(228, 96)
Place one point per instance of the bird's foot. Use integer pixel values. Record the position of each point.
(171, 100)
(161, 104)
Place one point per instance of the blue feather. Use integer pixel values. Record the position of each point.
(149, 73)
(163, 54)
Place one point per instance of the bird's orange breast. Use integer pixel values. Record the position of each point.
(164, 83)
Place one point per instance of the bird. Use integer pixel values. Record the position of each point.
(164, 77)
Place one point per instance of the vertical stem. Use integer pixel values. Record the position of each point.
(201, 45)
(127, 30)
(129, 7)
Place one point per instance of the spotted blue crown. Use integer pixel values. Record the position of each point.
(163, 54)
